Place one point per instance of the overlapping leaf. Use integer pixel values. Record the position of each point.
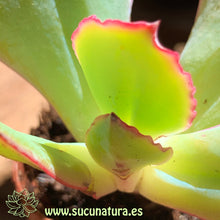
(122, 149)
(196, 158)
(167, 190)
(70, 164)
(35, 42)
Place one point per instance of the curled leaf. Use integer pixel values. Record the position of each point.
(121, 148)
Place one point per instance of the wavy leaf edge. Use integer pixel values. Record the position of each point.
(153, 28)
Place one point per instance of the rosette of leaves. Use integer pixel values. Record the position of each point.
(124, 97)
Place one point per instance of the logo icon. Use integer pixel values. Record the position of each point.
(22, 203)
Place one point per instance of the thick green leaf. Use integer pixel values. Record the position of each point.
(196, 158)
(201, 57)
(35, 41)
(122, 149)
(190, 180)
(167, 190)
(37, 153)
(130, 74)
(71, 164)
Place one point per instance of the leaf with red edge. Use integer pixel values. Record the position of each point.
(121, 148)
(131, 74)
(39, 153)
(69, 163)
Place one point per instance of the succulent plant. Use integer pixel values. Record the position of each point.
(124, 97)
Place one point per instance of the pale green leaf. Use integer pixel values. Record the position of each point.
(35, 42)
(69, 163)
(201, 57)
(190, 180)
(167, 190)
(33, 151)
(196, 158)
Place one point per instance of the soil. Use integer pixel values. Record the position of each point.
(52, 194)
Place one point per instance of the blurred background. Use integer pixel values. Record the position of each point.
(21, 104)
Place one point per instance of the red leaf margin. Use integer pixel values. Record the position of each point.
(151, 27)
(131, 129)
(31, 158)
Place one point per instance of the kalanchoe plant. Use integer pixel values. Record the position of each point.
(124, 97)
